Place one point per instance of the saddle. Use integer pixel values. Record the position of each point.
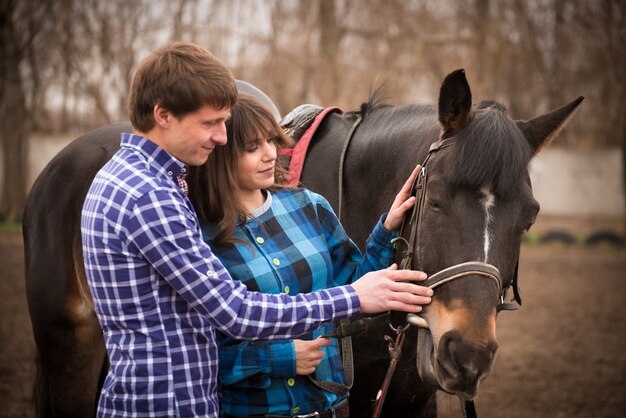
(300, 118)
(301, 124)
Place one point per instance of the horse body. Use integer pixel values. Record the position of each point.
(478, 204)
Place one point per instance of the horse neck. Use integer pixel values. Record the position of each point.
(385, 149)
(398, 138)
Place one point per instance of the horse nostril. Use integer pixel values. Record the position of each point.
(463, 361)
(492, 349)
(448, 353)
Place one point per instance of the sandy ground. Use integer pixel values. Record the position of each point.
(563, 354)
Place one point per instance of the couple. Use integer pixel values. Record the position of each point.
(170, 262)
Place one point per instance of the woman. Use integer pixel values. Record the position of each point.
(277, 239)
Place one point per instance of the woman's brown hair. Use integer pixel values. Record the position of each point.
(213, 186)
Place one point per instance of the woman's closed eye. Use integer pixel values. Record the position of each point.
(252, 146)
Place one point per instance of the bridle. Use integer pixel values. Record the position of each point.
(411, 252)
(457, 271)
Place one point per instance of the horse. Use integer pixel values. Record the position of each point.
(478, 203)
(474, 208)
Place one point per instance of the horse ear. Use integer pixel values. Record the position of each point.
(542, 130)
(455, 101)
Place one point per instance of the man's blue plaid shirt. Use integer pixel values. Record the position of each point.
(295, 244)
(160, 293)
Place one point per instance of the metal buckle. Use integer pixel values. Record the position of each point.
(309, 415)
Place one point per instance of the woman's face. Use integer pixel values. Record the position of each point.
(256, 165)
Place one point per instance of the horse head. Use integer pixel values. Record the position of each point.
(476, 204)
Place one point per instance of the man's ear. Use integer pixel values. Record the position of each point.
(161, 116)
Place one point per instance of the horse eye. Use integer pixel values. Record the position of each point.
(526, 228)
(434, 205)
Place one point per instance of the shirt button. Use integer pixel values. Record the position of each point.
(291, 381)
(295, 410)
(286, 289)
(170, 173)
(183, 170)
(260, 240)
(276, 262)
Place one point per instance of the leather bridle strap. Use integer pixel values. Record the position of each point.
(470, 268)
(468, 408)
(346, 328)
(342, 158)
(419, 191)
(344, 331)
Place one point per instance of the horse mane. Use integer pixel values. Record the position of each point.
(490, 151)
(380, 114)
(375, 100)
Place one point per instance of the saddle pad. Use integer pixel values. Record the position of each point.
(297, 154)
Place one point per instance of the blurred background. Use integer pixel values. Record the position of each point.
(66, 68)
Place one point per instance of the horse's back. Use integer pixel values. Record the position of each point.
(52, 210)
(69, 340)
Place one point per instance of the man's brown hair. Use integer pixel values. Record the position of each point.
(180, 77)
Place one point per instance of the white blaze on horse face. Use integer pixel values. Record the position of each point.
(488, 201)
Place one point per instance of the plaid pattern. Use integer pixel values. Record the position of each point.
(160, 293)
(296, 244)
(182, 183)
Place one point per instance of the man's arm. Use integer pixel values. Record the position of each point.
(164, 230)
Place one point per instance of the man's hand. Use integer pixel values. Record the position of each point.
(403, 202)
(309, 354)
(382, 290)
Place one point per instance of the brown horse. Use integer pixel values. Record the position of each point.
(478, 202)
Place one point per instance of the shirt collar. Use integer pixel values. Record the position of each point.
(157, 156)
(264, 207)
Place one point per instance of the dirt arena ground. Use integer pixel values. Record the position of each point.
(563, 354)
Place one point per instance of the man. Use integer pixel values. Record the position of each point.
(158, 290)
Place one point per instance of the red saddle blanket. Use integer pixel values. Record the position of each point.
(298, 152)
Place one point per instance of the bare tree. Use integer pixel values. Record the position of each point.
(16, 124)
(532, 55)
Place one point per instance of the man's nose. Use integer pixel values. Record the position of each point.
(219, 137)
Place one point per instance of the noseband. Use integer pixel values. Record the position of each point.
(457, 271)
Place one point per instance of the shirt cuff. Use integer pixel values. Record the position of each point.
(380, 235)
(283, 358)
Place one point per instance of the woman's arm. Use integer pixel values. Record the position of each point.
(251, 364)
(348, 262)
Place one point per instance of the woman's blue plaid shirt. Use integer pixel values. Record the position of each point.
(160, 293)
(295, 244)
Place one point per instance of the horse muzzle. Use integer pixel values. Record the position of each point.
(455, 353)
(454, 365)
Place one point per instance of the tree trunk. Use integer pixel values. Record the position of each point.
(330, 37)
(15, 127)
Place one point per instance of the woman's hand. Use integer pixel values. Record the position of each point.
(403, 202)
(309, 354)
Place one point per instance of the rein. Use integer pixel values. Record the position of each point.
(345, 328)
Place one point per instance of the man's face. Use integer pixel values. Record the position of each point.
(192, 137)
